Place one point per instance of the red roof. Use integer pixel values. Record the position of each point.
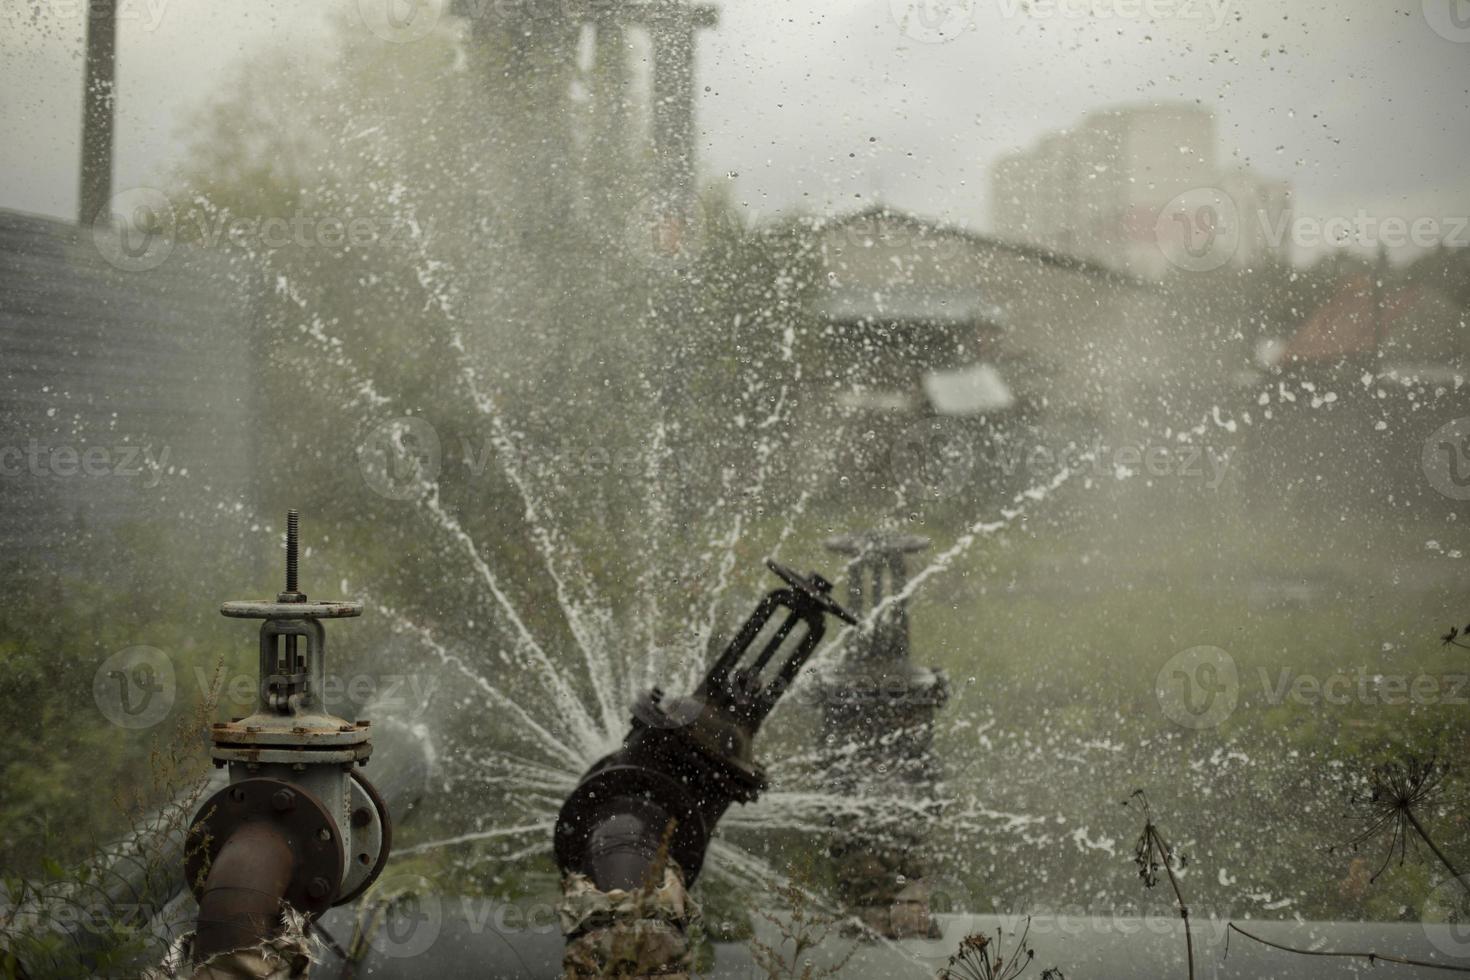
(1347, 324)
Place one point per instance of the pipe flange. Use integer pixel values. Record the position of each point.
(295, 813)
(254, 755)
(590, 799)
(372, 839)
(290, 731)
(291, 740)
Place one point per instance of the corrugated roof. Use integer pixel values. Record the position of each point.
(100, 358)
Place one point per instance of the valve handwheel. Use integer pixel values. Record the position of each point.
(814, 587)
(265, 609)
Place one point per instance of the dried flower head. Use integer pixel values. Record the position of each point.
(980, 958)
(1151, 854)
(1396, 796)
(1457, 637)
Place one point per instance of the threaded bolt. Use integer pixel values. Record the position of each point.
(293, 544)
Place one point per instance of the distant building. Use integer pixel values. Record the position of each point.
(996, 358)
(1103, 190)
(935, 318)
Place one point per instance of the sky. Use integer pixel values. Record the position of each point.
(1361, 105)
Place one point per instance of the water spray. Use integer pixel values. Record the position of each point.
(298, 825)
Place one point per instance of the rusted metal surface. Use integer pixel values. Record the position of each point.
(250, 876)
(294, 815)
(646, 812)
(641, 933)
(140, 882)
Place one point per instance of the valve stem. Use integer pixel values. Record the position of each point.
(293, 539)
(293, 552)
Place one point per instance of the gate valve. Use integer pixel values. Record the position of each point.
(686, 759)
(297, 822)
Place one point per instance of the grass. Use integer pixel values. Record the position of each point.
(1055, 633)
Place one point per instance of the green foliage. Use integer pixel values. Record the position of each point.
(58, 626)
(91, 915)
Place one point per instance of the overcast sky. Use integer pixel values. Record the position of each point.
(1359, 104)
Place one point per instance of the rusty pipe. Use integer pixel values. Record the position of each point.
(241, 902)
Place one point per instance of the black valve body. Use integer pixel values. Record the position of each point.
(685, 760)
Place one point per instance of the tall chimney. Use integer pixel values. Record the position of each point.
(99, 104)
